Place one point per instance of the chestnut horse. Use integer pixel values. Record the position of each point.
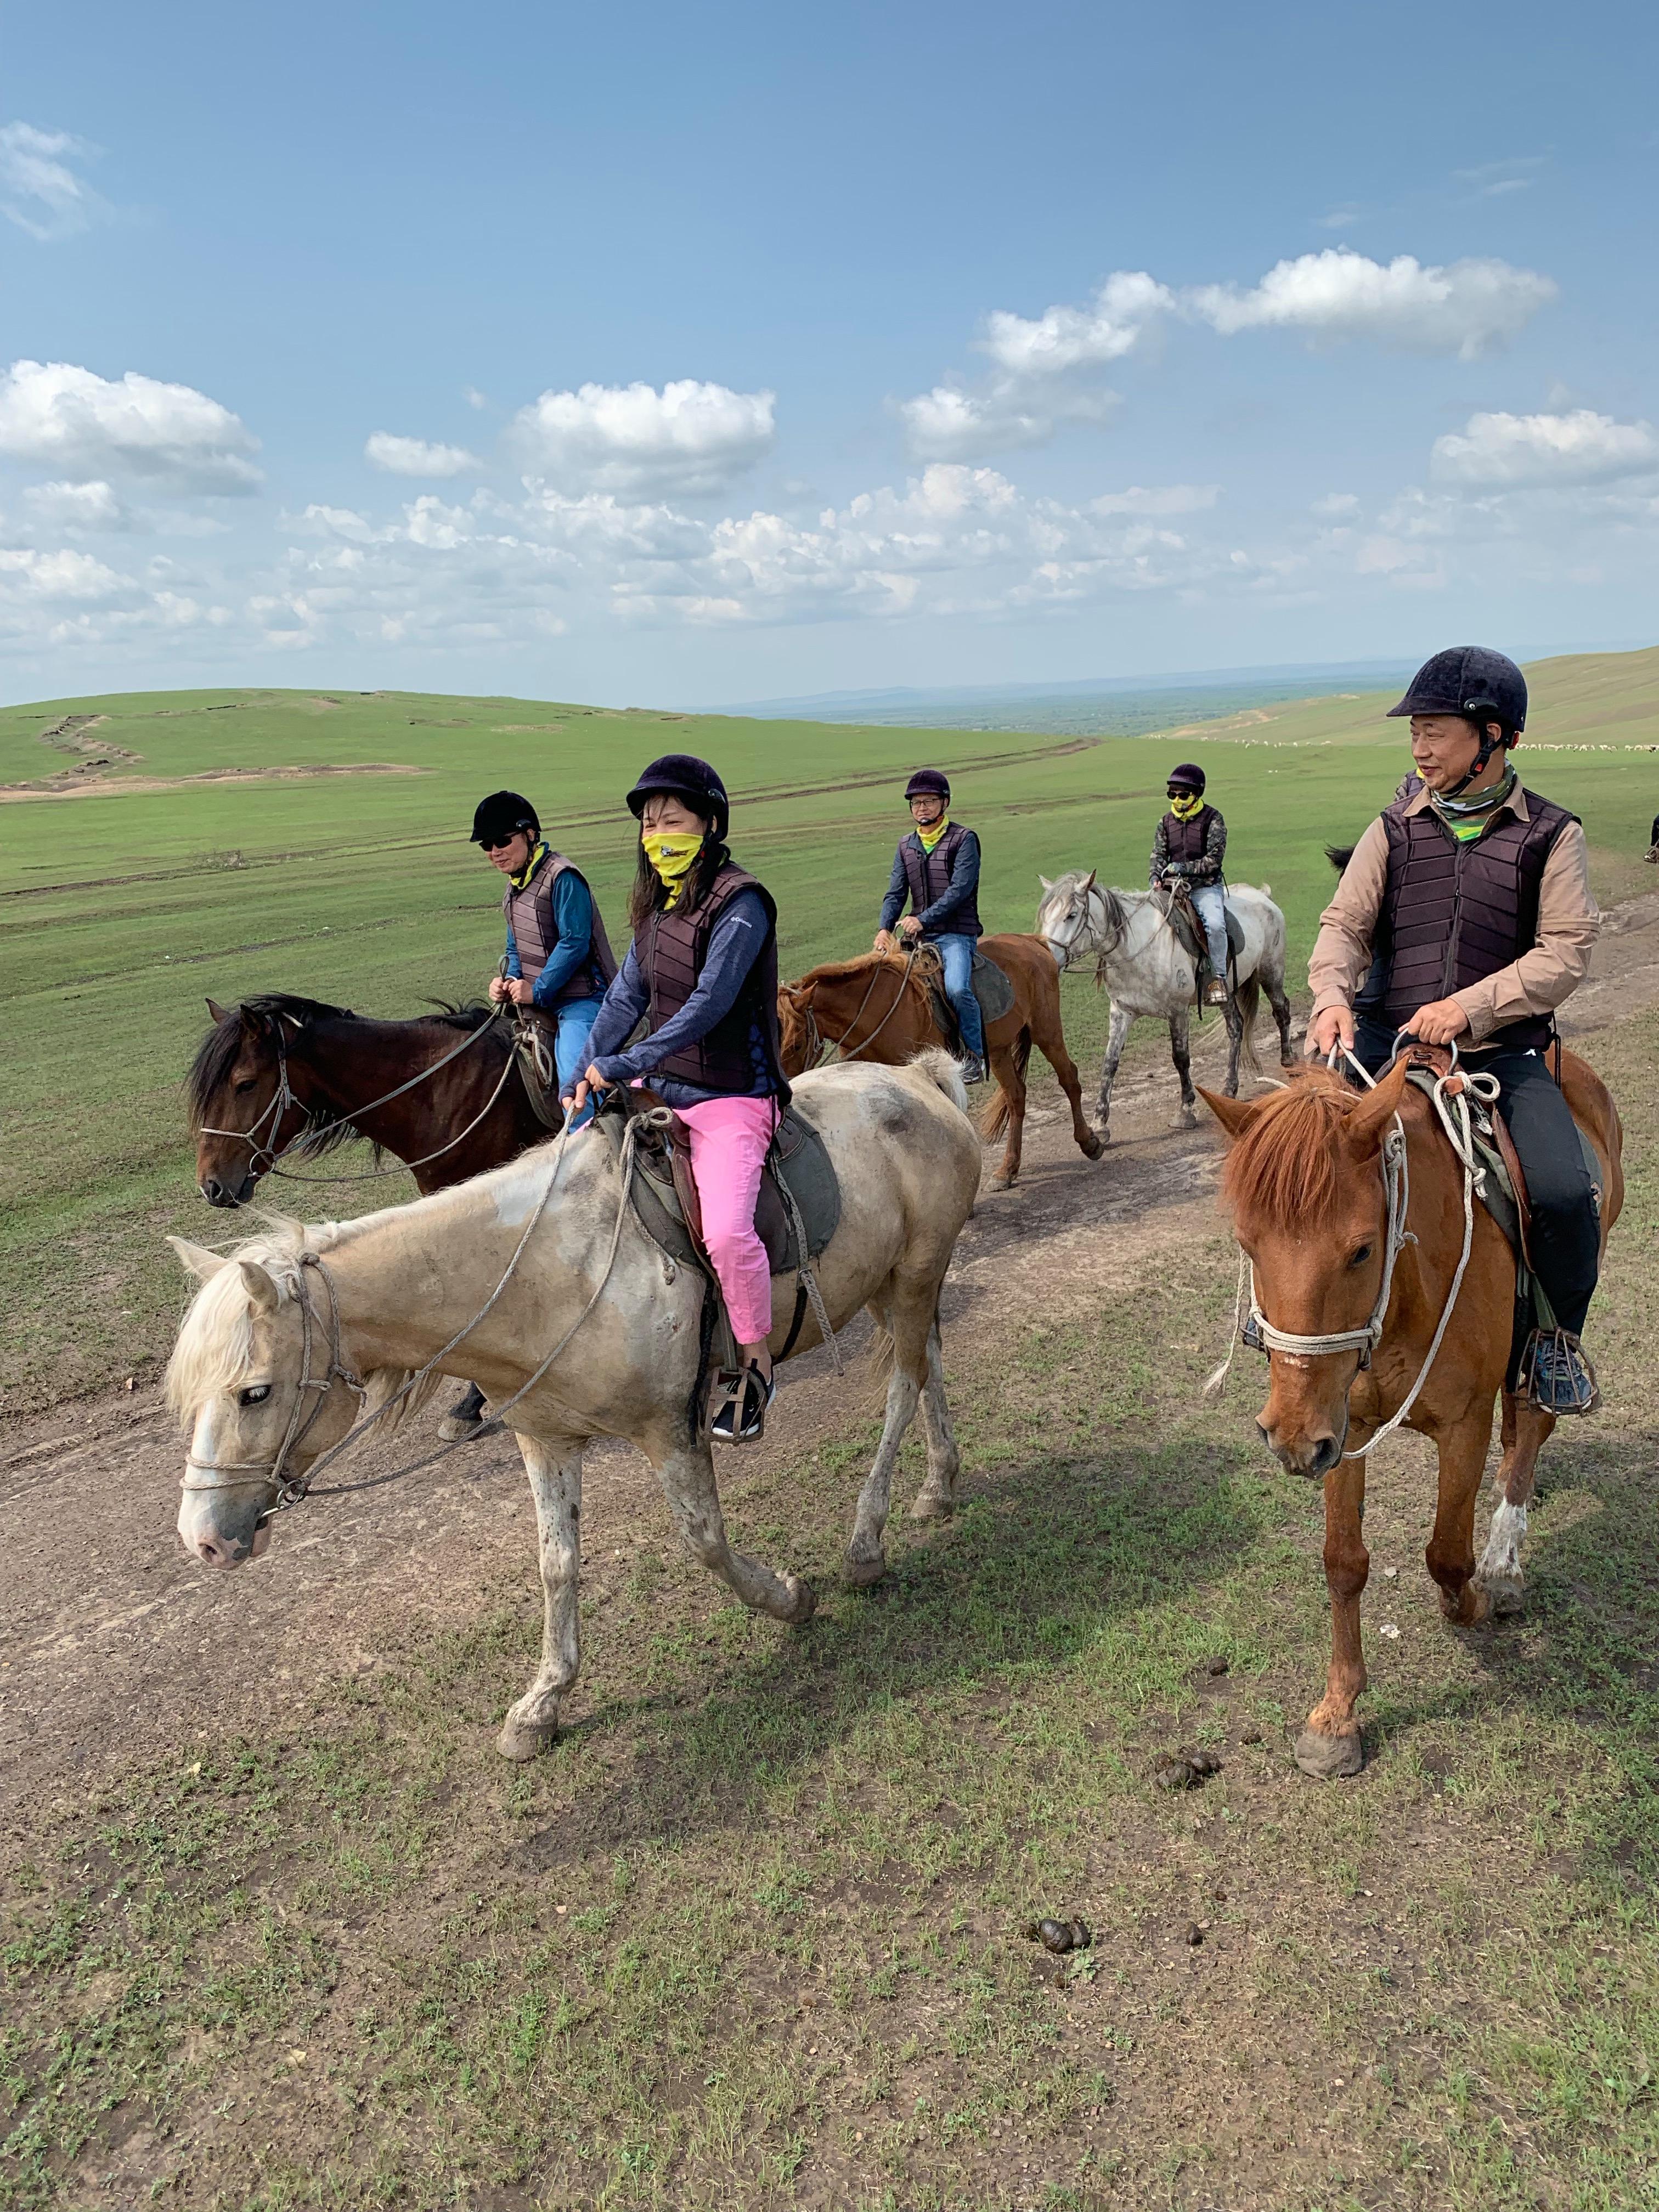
(1305, 1183)
(880, 1007)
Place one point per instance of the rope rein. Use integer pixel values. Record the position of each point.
(817, 1041)
(1449, 1095)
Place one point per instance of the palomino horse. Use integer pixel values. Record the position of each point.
(880, 1007)
(283, 1077)
(1333, 1231)
(294, 1331)
(1144, 968)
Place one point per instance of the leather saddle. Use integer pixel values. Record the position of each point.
(1182, 917)
(992, 987)
(799, 1184)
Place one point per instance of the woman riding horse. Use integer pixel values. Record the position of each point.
(702, 971)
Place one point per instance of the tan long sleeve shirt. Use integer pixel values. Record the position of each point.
(1568, 922)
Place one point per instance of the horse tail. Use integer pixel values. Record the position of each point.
(1338, 856)
(1248, 1000)
(940, 1067)
(994, 1117)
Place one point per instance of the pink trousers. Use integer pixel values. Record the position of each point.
(730, 1138)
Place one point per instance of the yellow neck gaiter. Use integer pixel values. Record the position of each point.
(530, 866)
(671, 856)
(1184, 808)
(931, 837)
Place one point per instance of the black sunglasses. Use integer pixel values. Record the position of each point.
(500, 844)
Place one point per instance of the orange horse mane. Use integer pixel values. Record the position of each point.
(1290, 1162)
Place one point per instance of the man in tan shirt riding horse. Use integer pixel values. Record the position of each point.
(1465, 917)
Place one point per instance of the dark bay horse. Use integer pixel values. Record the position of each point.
(284, 1078)
(1306, 1180)
(881, 1007)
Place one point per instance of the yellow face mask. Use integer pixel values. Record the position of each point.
(931, 836)
(672, 856)
(1186, 806)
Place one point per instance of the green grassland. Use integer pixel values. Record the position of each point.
(120, 911)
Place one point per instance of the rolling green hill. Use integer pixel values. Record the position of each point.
(157, 848)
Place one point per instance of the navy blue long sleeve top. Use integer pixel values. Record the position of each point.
(734, 946)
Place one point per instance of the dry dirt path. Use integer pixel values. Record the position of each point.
(115, 1644)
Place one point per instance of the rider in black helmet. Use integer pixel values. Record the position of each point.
(1475, 894)
(1188, 846)
(558, 962)
(936, 868)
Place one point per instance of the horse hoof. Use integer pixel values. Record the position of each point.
(453, 1431)
(1093, 1147)
(1508, 1593)
(520, 1742)
(1001, 1181)
(1329, 1758)
(801, 1605)
(930, 1505)
(1189, 1118)
(861, 1573)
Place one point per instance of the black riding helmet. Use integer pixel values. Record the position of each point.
(1481, 685)
(499, 817)
(929, 783)
(682, 775)
(1187, 777)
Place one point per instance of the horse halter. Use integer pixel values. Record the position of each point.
(245, 1472)
(266, 1151)
(1068, 946)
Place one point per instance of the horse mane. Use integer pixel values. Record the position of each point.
(1289, 1163)
(1338, 856)
(213, 1352)
(841, 972)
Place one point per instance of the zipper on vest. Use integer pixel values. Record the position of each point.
(1449, 974)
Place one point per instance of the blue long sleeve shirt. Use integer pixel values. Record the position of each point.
(964, 881)
(573, 918)
(734, 946)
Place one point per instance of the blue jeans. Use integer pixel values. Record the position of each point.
(1210, 900)
(570, 1052)
(957, 954)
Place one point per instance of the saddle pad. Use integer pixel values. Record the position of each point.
(993, 988)
(798, 1151)
(1197, 948)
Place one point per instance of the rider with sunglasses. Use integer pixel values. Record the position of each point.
(559, 962)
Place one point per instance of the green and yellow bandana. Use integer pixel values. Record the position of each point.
(931, 837)
(672, 857)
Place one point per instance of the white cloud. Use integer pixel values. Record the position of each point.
(950, 424)
(687, 439)
(474, 397)
(1157, 499)
(1336, 504)
(38, 189)
(1459, 309)
(1581, 447)
(177, 438)
(78, 507)
(1063, 339)
(414, 457)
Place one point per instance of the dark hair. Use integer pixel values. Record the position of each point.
(648, 894)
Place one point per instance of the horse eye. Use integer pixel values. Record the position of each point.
(247, 1084)
(1359, 1259)
(254, 1394)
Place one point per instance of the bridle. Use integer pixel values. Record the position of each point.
(817, 1044)
(271, 1151)
(273, 1474)
(1449, 1094)
(1087, 928)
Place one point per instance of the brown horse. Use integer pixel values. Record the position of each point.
(283, 1076)
(1305, 1182)
(881, 1006)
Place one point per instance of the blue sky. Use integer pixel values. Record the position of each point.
(669, 355)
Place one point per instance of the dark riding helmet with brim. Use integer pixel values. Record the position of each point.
(682, 775)
(502, 816)
(1185, 776)
(929, 783)
(1471, 680)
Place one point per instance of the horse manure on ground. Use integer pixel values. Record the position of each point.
(1194, 1934)
(1217, 1666)
(1185, 1770)
(1059, 1936)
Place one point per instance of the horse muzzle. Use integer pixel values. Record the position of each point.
(224, 1528)
(217, 1192)
(1311, 1454)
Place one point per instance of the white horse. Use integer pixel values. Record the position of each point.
(1145, 970)
(295, 1331)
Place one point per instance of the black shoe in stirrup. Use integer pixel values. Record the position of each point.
(741, 1417)
(1556, 1374)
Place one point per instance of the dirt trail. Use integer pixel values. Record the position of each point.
(116, 1644)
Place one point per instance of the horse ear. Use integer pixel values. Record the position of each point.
(1091, 879)
(197, 1260)
(1235, 1114)
(1044, 881)
(217, 1012)
(261, 1289)
(1364, 1126)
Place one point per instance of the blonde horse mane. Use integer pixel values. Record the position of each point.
(213, 1352)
